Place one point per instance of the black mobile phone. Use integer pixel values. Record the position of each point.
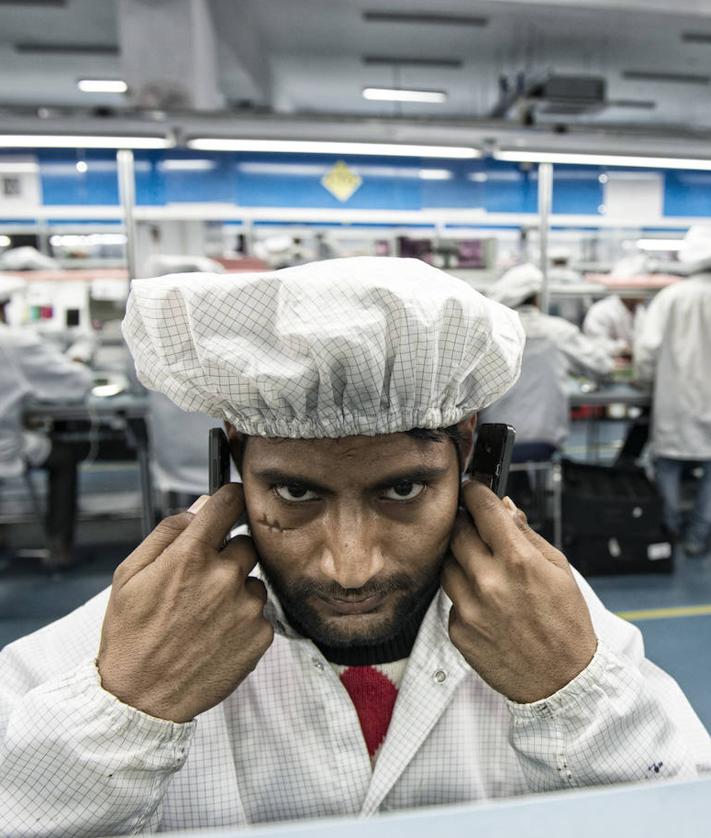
(492, 456)
(219, 457)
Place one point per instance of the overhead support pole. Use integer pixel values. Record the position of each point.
(127, 193)
(545, 200)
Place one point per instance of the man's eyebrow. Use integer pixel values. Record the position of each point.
(274, 475)
(419, 474)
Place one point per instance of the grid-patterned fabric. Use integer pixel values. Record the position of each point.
(287, 743)
(336, 348)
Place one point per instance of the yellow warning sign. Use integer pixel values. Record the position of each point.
(340, 181)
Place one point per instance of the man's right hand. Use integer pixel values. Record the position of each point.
(185, 625)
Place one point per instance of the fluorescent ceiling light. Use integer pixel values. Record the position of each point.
(186, 165)
(79, 141)
(102, 86)
(323, 147)
(12, 167)
(393, 94)
(86, 239)
(603, 160)
(660, 244)
(434, 174)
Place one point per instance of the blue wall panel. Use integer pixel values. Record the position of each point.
(388, 183)
(577, 190)
(62, 183)
(687, 193)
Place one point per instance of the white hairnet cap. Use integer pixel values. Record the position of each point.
(329, 349)
(10, 285)
(696, 246)
(559, 252)
(516, 285)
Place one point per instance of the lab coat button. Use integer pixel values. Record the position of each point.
(317, 664)
(440, 676)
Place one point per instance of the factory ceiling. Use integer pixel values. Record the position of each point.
(629, 67)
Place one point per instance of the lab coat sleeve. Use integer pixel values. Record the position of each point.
(74, 760)
(583, 354)
(50, 375)
(649, 339)
(598, 326)
(620, 720)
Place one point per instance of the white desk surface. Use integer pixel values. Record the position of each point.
(651, 810)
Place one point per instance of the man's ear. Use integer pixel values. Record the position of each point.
(466, 430)
(238, 442)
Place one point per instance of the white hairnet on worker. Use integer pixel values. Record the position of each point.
(329, 349)
(696, 247)
(517, 285)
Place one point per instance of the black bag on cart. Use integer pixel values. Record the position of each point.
(612, 521)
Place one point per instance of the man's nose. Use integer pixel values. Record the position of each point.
(351, 554)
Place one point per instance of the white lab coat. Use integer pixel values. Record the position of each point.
(287, 743)
(674, 350)
(29, 368)
(611, 322)
(537, 405)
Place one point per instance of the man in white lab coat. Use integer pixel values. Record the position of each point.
(538, 403)
(31, 368)
(615, 319)
(673, 350)
(407, 640)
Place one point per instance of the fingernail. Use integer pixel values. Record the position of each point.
(198, 504)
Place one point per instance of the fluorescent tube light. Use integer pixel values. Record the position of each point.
(634, 161)
(186, 165)
(660, 244)
(391, 94)
(12, 167)
(435, 174)
(86, 239)
(326, 147)
(102, 86)
(80, 141)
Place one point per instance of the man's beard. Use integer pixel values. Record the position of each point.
(295, 598)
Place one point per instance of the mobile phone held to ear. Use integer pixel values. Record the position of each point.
(219, 456)
(492, 456)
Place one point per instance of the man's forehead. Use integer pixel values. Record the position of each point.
(384, 451)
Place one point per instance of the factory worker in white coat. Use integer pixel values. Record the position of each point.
(538, 404)
(32, 368)
(673, 350)
(363, 664)
(615, 319)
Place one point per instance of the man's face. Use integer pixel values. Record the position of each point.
(351, 532)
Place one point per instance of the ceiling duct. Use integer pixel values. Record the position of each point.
(696, 37)
(426, 19)
(676, 78)
(554, 95)
(23, 4)
(31, 48)
(393, 61)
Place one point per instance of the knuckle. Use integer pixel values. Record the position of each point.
(175, 523)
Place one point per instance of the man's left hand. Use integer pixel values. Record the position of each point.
(518, 617)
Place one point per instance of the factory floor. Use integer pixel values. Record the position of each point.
(672, 611)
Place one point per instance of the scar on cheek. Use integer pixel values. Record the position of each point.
(274, 526)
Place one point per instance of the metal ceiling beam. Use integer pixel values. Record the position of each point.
(169, 53)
